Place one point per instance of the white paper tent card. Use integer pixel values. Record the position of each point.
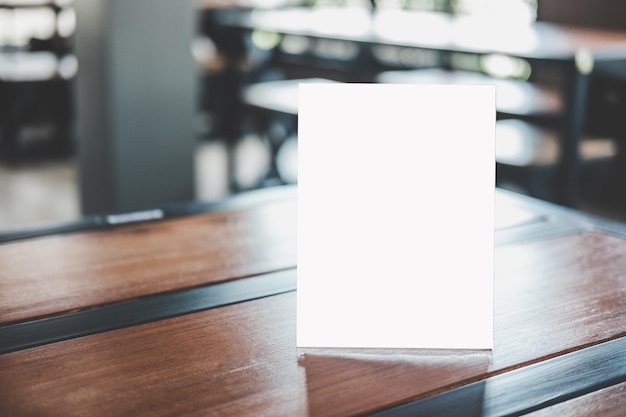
(396, 216)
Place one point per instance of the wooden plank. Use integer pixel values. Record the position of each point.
(527, 389)
(552, 297)
(236, 360)
(143, 310)
(100, 267)
(608, 402)
(64, 273)
(574, 284)
(508, 213)
(519, 218)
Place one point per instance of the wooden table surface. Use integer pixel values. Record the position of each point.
(195, 315)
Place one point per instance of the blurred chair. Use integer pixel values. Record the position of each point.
(36, 78)
(36, 108)
(607, 97)
(527, 141)
(527, 156)
(271, 110)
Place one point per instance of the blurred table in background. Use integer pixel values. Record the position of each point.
(357, 43)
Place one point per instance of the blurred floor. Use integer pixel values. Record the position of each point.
(38, 193)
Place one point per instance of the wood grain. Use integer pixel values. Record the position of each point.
(64, 273)
(552, 297)
(575, 284)
(609, 402)
(29, 334)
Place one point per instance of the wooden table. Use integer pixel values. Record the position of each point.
(576, 53)
(195, 315)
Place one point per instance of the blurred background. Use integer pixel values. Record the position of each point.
(110, 106)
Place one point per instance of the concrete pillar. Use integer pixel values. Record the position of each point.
(136, 90)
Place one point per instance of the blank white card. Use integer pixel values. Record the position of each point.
(395, 216)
